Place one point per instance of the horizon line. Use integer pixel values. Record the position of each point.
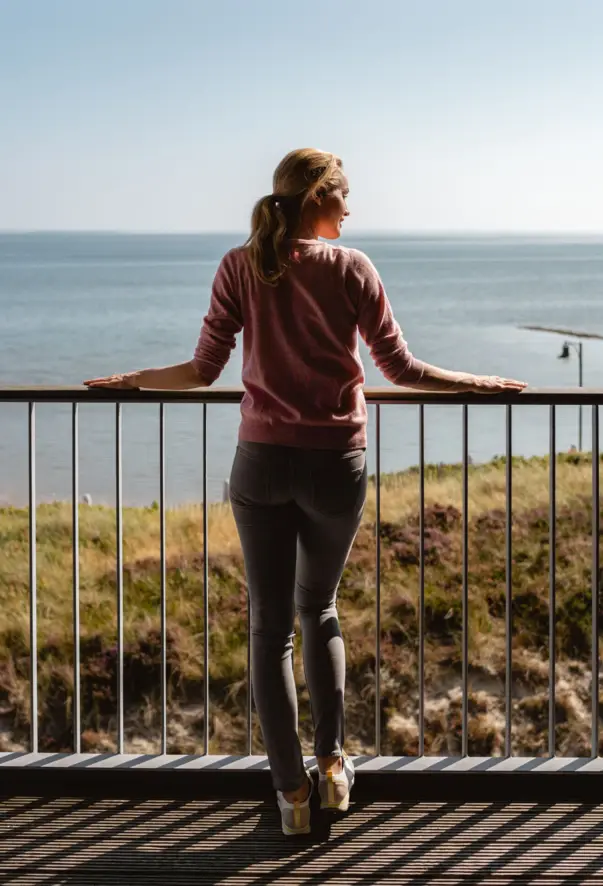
(406, 232)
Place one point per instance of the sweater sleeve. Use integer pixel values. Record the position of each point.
(221, 324)
(377, 324)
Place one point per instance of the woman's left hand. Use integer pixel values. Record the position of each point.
(123, 380)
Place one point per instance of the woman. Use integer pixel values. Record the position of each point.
(299, 478)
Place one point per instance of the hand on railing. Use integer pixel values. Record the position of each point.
(445, 381)
(121, 381)
(486, 384)
(180, 377)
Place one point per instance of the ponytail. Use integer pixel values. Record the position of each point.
(266, 242)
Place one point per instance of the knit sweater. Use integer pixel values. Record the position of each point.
(302, 372)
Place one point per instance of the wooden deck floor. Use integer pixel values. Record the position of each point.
(172, 842)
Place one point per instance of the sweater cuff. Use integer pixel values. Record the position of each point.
(412, 373)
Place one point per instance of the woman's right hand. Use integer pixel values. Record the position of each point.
(487, 384)
(446, 381)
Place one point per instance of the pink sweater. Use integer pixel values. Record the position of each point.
(302, 372)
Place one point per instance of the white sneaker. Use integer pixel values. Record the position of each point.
(295, 817)
(334, 787)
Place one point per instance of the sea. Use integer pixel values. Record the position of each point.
(79, 305)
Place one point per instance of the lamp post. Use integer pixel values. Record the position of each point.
(564, 355)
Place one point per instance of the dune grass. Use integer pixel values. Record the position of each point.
(227, 635)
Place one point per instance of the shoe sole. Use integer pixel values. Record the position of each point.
(339, 807)
(289, 832)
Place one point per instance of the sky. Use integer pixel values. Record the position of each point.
(170, 115)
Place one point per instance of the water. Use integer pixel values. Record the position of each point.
(75, 306)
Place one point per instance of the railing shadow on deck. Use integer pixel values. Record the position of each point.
(85, 841)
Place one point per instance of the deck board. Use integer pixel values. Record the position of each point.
(172, 842)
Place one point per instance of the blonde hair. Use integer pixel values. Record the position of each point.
(301, 175)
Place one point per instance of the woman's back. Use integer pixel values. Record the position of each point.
(301, 365)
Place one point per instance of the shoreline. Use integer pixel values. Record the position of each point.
(433, 471)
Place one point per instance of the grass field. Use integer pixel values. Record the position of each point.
(228, 620)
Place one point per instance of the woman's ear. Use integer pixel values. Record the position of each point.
(318, 196)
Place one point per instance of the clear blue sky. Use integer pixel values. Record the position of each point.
(170, 116)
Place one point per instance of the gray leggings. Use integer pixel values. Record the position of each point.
(297, 512)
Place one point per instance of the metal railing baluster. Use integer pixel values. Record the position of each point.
(163, 578)
(378, 580)
(33, 588)
(509, 582)
(205, 592)
(595, 585)
(552, 575)
(75, 495)
(465, 614)
(421, 580)
(249, 690)
(119, 580)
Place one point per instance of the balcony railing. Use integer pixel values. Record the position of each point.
(377, 398)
